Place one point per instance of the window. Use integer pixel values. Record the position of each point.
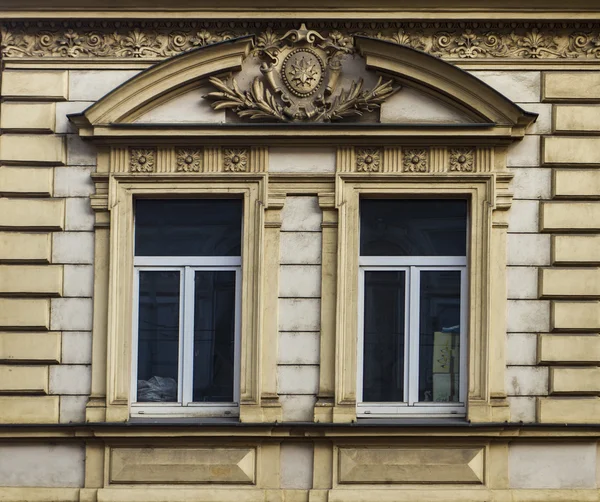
(186, 333)
(413, 313)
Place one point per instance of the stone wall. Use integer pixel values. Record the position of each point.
(46, 276)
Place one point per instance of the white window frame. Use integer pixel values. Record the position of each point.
(187, 267)
(413, 266)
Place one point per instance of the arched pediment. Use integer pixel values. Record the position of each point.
(305, 79)
(163, 80)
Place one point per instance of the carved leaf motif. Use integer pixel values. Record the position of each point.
(368, 160)
(235, 159)
(415, 160)
(455, 40)
(462, 160)
(189, 160)
(141, 160)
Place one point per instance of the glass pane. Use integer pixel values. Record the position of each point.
(383, 367)
(158, 336)
(413, 227)
(439, 342)
(214, 336)
(199, 227)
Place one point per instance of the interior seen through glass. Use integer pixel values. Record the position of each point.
(383, 356)
(439, 336)
(214, 336)
(158, 336)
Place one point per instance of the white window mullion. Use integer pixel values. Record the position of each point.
(238, 335)
(361, 337)
(135, 331)
(186, 355)
(464, 294)
(413, 336)
(407, 337)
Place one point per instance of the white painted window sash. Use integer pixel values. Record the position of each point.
(185, 406)
(187, 261)
(412, 407)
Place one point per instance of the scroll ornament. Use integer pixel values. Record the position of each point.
(299, 83)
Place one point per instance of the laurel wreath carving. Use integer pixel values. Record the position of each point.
(259, 103)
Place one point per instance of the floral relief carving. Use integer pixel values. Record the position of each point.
(235, 160)
(141, 160)
(368, 160)
(462, 160)
(190, 160)
(415, 160)
(448, 40)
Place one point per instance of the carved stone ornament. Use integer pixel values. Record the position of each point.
(189, 160)
(454, 40)
(415, 160)
(300, 75)
(235, 160)
(462, 160)
(368, 160)
(141, 160)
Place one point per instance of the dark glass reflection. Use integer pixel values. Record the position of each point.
(413, 227)
(439, 342)
(158, 336)
(383, 366)
(198, 227)
(214, 336)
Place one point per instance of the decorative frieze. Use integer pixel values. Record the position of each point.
(157, 40)
(190, 160)
(141, 160)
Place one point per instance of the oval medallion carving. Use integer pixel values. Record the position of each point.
(302, 72)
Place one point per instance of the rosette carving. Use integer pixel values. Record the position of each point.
(190, 160)
(415, 160)
(141, 160)
(462, 160)
(235, 160)
(368, 160)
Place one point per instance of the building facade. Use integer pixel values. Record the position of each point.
(299, 253)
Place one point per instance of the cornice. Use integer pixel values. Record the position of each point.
(151, 41)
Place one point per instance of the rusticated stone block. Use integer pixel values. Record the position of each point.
(31, 279)
(575, 316)
(571, 86)
(575, 249)
(566, 282)
(570, 216)
(556, 410)
(28, 409)
(30, 347)
(571, 150)
(568, 349)
(24, 313)
(32, 214)
(42, 85)
(575, 380)
(23, 379)
(23, 247)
